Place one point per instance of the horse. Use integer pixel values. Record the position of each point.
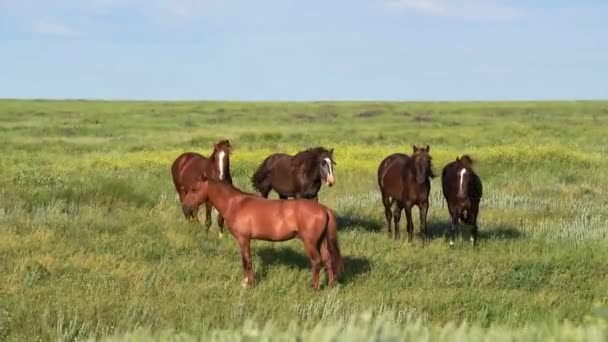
(462, 189)
(405, 180)
(189, 166)
(298, 176)
(251, 217)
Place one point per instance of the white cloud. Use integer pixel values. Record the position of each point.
(49, 28)
(429, 6)
(459, 8)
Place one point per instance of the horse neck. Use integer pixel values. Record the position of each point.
(220, 195)
(311, 169)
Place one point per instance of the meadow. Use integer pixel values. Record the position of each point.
(93, 244)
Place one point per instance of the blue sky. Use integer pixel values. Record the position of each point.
(304, 50)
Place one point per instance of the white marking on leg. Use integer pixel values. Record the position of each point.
(451, 243)
(471, 238)
(221, 164)
(461, 178)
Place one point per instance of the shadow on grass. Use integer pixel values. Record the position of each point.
(353, 266)
(350, 221)
(440, 229)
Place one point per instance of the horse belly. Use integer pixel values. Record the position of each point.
(273, 227)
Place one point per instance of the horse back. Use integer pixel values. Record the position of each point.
(188, 167)
(449, 183)
(280, 173)
(390, 174)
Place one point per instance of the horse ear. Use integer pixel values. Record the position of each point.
(414, 148)
(457, 159)
(331, 151)
(428, 148)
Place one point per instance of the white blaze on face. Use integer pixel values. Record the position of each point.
(330, 172)
(220, 158)
(461, 179)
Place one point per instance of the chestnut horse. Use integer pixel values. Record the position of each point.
(250, 217)
(462, 190)
(189, 167)
(297, 176)
(405, 180)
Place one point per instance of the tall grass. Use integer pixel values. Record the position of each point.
(93, 243)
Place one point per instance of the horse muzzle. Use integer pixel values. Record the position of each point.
(187, 209)
(330, 180)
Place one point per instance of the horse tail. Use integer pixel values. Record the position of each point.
(333, 247)
(260, 175)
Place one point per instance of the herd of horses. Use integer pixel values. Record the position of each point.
(404, 182)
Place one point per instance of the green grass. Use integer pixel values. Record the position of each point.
(93, 243)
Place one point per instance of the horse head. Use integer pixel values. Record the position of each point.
(423, 163)
(464, 172)
(195, 194)
(326, 166)
(221, 157)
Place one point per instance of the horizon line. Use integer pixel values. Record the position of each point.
(121, 99)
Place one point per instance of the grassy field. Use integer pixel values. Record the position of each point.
(93, 243)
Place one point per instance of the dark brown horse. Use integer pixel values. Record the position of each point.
(250, 217)
(188, 168)
(462, 190)
(298, 176)
(405, 180)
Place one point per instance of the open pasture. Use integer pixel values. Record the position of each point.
(93, 241)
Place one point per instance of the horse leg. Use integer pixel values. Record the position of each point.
(397, 217)
(473, 222)
(423, 210)
(315, 261)
(194, 214)
(220, 222)
(283, 197)
(386, 201)
(453, 227)
(208, 208)
(325, 257)
(244, 245)
(410, 224)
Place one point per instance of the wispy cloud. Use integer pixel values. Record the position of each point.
(428, 6)
(459, 8)
(183, 8)
(50, 28)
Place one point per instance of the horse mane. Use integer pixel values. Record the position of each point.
(225, 142)
(219, 143)
(467, 160)
(306, 159)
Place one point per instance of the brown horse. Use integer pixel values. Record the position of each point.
(405, 180)
(250, 217)
(190, 166)
(462, 190)
(298, 176)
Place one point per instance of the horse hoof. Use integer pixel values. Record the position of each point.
(451, 243)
